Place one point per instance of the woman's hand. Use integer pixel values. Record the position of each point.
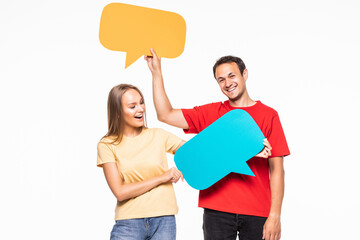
(123, 191)
(266, 152)
(172, 175)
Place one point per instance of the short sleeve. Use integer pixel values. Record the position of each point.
(192, 117)
(171, 141)
(104, 154)
(277, 138)
(198, 118)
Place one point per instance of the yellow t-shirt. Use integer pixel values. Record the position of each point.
(140, 158)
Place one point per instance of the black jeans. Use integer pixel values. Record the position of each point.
(225, 226)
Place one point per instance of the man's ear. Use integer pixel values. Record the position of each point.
(245, 74)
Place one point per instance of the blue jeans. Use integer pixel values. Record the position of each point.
(155, 228)
(225, 226)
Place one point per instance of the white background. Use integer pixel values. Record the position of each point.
(302, 58)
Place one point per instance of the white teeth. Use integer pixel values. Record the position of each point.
(231, 89)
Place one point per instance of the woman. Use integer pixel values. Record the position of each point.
(133, 158)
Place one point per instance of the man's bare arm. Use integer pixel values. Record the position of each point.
(165, 112)
(272, 227)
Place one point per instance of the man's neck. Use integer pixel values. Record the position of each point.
(244, 101)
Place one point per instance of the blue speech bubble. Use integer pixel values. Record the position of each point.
(221, 148)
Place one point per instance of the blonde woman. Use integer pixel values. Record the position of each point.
(133, 158)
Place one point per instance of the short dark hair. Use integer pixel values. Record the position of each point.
(230, 59)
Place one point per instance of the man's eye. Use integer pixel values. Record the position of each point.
(232, 76)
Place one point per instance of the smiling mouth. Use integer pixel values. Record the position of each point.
(231, 89)
(139, 117)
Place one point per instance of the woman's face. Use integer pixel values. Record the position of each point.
(133, 108)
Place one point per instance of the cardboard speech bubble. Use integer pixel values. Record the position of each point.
(221, 148)
(134, 30)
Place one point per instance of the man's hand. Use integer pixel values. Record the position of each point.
(272, 228)
(154, 63)
(266, 152)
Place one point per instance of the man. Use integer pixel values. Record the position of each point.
(237, 204)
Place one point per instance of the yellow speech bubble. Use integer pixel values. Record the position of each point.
(134, 30)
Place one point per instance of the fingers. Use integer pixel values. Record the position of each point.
(173, 175)
(264, 233)
(153, 53)
(147, 58)
(176, 175)
(268, 152)
(154, 62)
(272, 229)
(179, 175)
(269, 235)
(267, 144)
(182, 177)
(265, 153)
(273, 236)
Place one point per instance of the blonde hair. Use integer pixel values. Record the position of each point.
(115, 112)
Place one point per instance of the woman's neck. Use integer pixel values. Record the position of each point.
(132, 131)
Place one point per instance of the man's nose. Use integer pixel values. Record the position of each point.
(227, 82)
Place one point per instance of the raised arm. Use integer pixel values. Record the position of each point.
(165, 112)
(126, 191)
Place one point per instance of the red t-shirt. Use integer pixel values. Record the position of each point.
(238, 193)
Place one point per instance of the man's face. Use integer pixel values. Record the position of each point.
(229, 78)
